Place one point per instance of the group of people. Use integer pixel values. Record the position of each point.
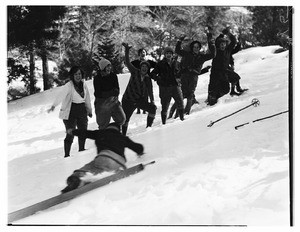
(177, 80)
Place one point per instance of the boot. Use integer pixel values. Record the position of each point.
(81, 143)
(124, 129)
(67, 148)
(188, 106)
(73, 182)
(163, 118)
(232, 92)
(211, 99)
(195, 101)
(172, 110)
(149, 121)
(239, 88)
(181, 114)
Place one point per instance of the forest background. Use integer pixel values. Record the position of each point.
(80, 35)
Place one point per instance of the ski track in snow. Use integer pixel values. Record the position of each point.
(202, 175)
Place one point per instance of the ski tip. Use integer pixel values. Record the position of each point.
(152, 162)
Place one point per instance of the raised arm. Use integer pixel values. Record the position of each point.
(211, 45)
(178, 48)
(129, 65)
(232, 38)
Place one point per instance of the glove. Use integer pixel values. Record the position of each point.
(70, 131)
(126, 46)
(51, 109)
(140, 154)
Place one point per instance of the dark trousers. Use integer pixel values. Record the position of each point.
(218, 83)
(166, 94)
(77, 119)
(130, 106)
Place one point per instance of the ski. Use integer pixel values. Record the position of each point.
(260, 119)
(255, 102)
(43, 205)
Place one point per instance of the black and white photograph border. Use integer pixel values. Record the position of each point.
(179, 172)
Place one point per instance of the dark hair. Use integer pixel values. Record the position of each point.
(146, 63)
(141, 50)
(74, 70)
(193, 43)
(220, 39)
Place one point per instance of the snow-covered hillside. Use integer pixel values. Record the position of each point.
(203, 175)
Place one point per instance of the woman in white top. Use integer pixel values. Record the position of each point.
(75, 107)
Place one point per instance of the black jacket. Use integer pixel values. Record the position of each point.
(222, 59)
(166, 74)
(106, 86)
(110, 139)
(192, 63)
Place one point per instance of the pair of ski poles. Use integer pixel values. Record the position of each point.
(255, 102)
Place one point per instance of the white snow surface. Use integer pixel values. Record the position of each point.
(202, 176)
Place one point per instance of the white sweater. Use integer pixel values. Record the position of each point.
(68, 95)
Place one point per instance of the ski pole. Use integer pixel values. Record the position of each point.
(260, 119)
(255, 102)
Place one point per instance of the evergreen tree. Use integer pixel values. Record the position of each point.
(268, 25)
(34, 28)
(107, 50)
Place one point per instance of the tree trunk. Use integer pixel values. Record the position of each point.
(46, 81)
(32, 80)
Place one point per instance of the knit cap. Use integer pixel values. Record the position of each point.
(103, 63)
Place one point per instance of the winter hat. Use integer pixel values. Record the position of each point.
(168, 49)
(145, 62)
(193, 43)
(103, 63)
(114, 126)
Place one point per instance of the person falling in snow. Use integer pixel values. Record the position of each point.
(138, 90)
(110, 157)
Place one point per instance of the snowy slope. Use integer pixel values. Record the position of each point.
(203, 175)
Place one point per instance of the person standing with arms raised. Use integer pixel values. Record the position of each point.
(138, 90)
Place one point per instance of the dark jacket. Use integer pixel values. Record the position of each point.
(106, 86)
(166, 74)
(222, 59)
(192, 63)
(138, 87)
(110, 139)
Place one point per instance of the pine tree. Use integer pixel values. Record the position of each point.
(106, 49)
